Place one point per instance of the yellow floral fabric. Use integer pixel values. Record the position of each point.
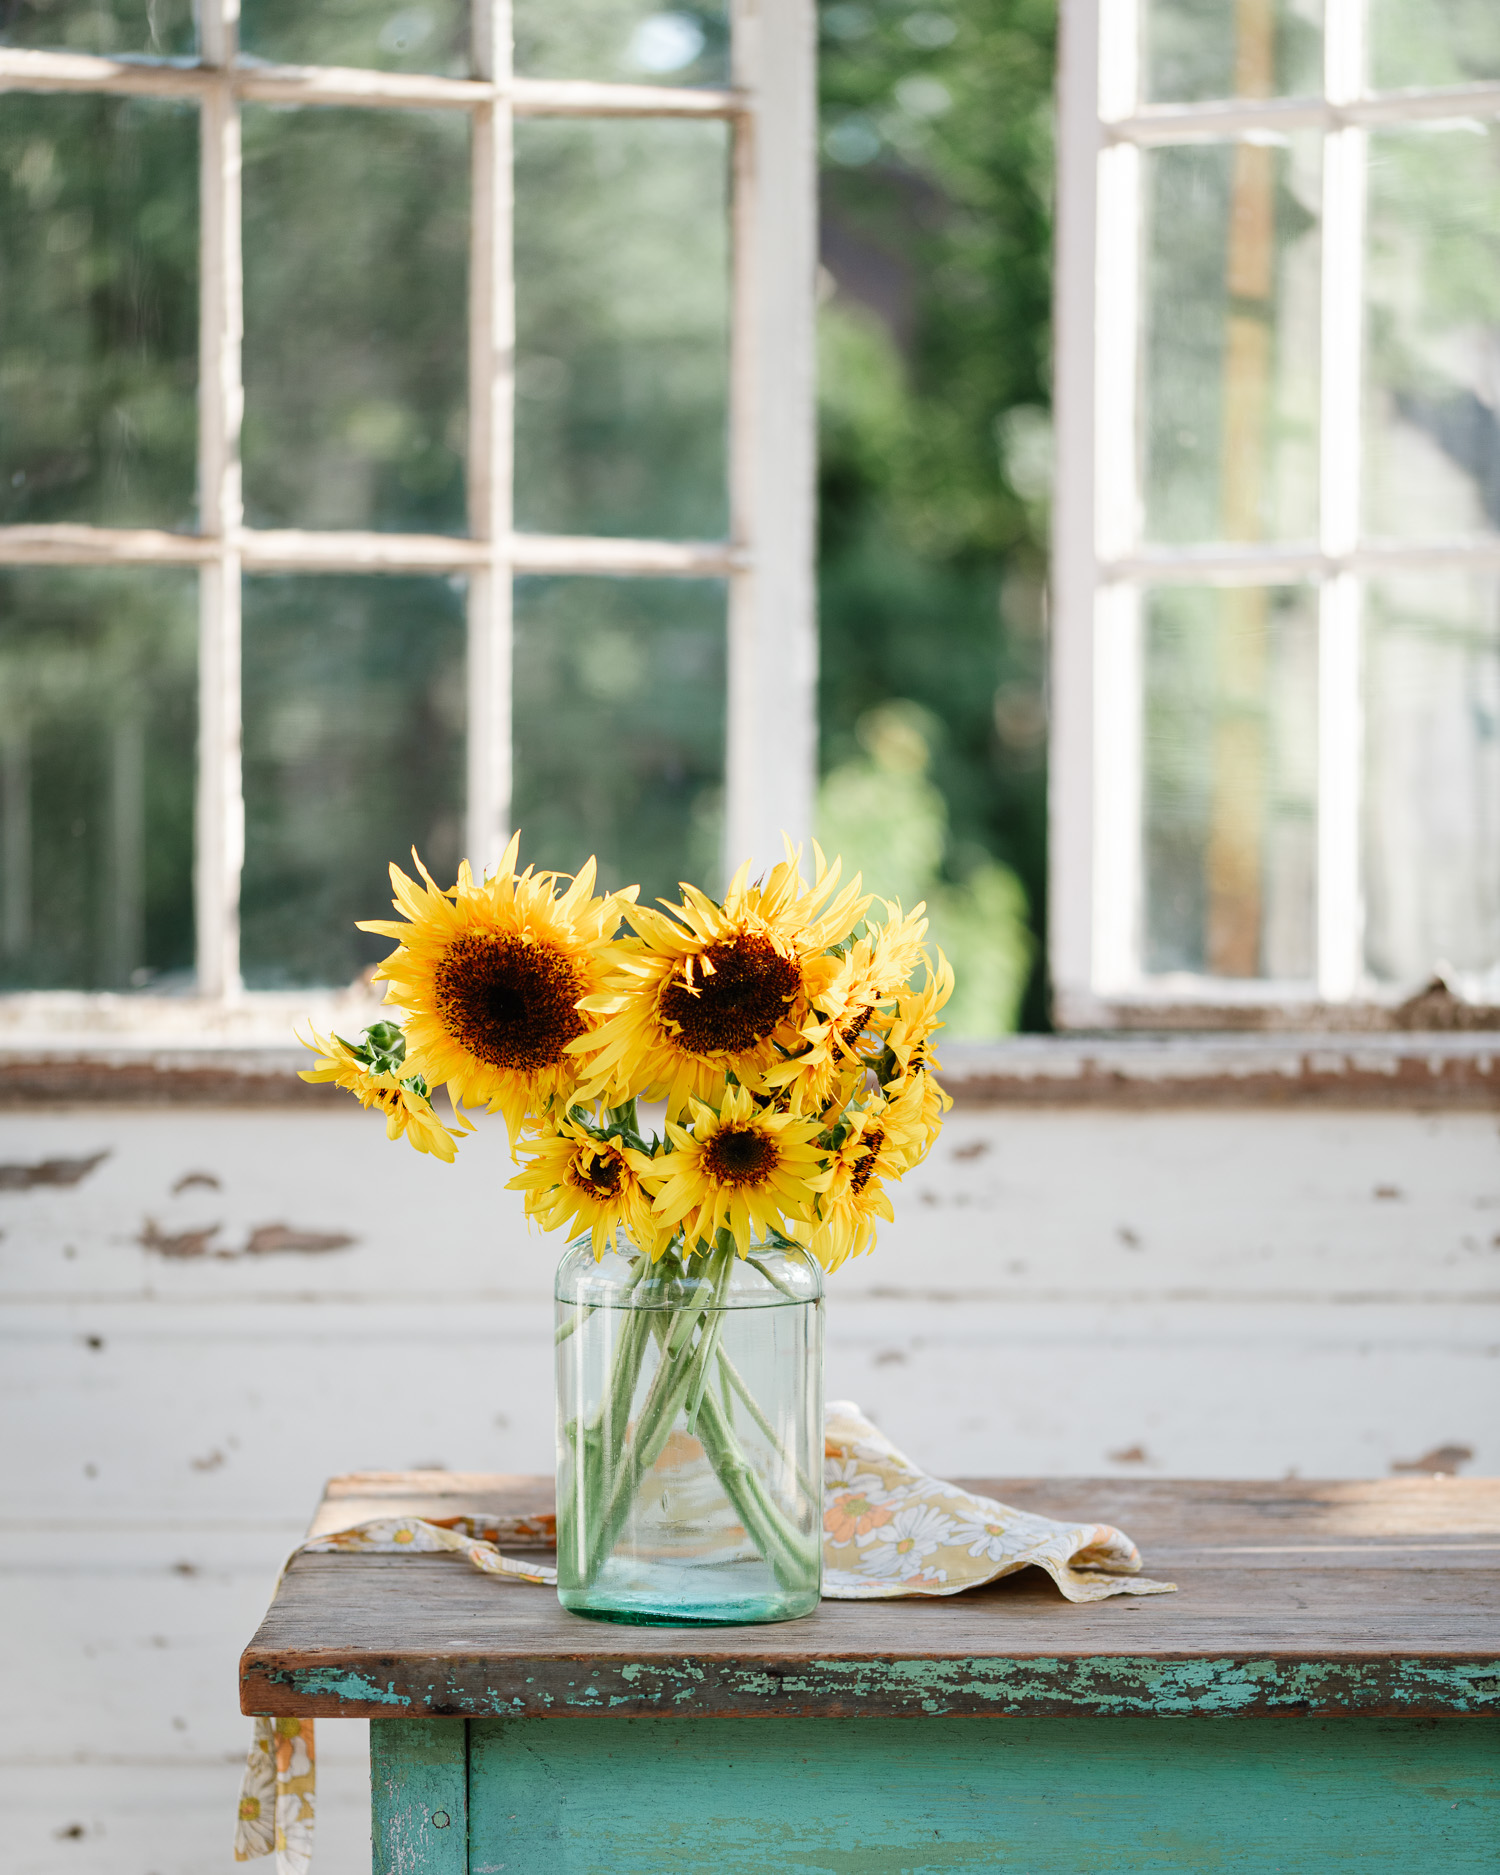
(278, 1797)
(889, 1530)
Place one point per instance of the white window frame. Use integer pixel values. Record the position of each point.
(1099, 564)
(768, 559)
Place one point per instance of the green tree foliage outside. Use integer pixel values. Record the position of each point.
(935, 465)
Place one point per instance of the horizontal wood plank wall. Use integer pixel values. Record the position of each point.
(209, 1310)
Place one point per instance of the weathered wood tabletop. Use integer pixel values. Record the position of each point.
(1374, 1598)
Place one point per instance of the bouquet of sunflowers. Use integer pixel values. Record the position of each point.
(786, 1037)
(785, 1031)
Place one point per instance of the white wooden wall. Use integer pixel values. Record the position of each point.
(1227, 1291)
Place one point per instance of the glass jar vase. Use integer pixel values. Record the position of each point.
(689, 1434)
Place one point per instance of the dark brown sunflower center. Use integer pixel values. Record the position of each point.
(738, 1155)
(851, 1031)
(740, 991)
(599, 1175)
(509, 1002)
(865, 1166)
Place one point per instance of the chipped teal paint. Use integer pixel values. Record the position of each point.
(419, 1797)
(1104, 1685)
(669, 1795)
(337, 1683)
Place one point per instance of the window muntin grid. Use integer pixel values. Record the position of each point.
(766, 559)
(1105, 562)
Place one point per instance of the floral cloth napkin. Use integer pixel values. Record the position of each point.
(889, 1529)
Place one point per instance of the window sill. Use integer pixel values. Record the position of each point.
(246, 1057)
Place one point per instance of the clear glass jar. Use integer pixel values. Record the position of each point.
(689, 1434)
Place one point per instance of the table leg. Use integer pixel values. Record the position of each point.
(419, 1796)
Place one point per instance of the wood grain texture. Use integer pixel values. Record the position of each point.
(419, 1797)
(1366, 1597)
(666, 1796)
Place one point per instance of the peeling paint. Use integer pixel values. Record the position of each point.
(1443, 1460)
(264, 1240)
(190, 1179)
(1108, 1685)
(65, 1172)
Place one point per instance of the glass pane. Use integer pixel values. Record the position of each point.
(98, 727)
(1433, 42)
(630, 41)
(356, 348)
(164, 28)
(354, 753)
(1230, 781)
(387, 35)
(1194, 49)
(622, 307)
(619, 728)
(1432, 393)
(1230, 340)
(1432, 780)
(98, 311)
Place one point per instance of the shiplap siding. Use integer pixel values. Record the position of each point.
(1215, 1290)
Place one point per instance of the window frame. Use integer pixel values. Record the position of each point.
(1100, 567)
(767, 561)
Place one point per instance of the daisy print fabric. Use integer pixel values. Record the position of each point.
(891, 1530)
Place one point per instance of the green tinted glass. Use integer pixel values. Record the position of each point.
(98, 310)
(356, 347)
(98, 727)
(619, 727)
(354, 753)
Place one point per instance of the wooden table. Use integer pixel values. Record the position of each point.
(1322, 1694)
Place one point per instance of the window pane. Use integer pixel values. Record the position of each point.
(98, 727)
(98, 311)
(160, 27)
(1230, 337)
(1432, 455)
(1197, 49)
(388, 35)
(619, 727)
(1432, 779)
(622, 305)
(630, 41)
(1433, 42)
(1230, 781)
(356, 360)
(354, 753)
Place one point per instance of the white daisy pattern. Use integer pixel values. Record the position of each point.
(900, 1548)
(986, 1535)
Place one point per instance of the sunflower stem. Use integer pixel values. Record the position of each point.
(764, 1522)
(664, 1399)
(708, 1340)
(774, 1280)
(733, 1378)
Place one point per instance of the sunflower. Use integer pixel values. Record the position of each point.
(883, 1141)
(578, 1177)
(712, 990)
(745, 1168)
(406, 1107)
(909, 1036)
(490, 977)
(845, 1032)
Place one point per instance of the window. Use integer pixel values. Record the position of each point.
(496, 506)
(1276, 754)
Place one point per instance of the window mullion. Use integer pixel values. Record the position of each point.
(772, 711)
(1075, 572)
(1340, 920)
(220, 814)
(491, 448)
